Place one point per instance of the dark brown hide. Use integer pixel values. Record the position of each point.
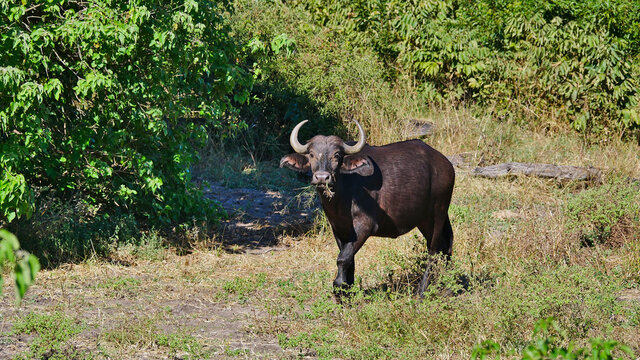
(380, 191)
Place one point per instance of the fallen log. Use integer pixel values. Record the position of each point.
(462, 160)
(419, 128)
(549, 171)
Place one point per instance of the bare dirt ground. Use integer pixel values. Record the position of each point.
(123, 309)
(259, 217)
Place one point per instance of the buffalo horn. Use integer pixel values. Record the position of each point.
(295, 144)
(357, 147)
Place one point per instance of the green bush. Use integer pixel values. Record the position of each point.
(548, 344)
(593, 214)
(571, 60)
(107, 103)
(16, 199)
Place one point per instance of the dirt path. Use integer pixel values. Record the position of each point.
(124, 311)
(258, 218)
(128, 326)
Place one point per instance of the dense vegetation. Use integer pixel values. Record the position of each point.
(105, 104)
(569, 61)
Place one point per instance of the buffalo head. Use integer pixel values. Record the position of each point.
(327, 157)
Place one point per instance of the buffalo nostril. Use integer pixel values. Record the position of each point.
(321, 177)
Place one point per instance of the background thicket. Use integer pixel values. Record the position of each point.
(103, 106)
(107, 103)
(546, 62)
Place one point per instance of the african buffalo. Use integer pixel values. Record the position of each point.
(377, 191)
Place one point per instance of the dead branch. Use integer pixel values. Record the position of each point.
(549, 171)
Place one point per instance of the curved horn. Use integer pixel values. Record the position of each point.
(357, 147)
(293, 139)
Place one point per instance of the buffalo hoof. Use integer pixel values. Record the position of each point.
(341, 291)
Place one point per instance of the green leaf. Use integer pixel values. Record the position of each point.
(25, 269)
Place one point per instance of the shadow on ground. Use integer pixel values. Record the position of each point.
(258, 219)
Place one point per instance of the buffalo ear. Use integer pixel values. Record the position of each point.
(295, 162)
(357, 164)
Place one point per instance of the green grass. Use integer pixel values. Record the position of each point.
(240, 170)
(235, 352)
(377, 324)
(241, 288)
(143, 332)
(605, 214)
(182, 342)
(150, 246)
(121, 286)
(54, 336)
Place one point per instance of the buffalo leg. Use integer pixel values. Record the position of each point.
(441, 235)
(346, 266)
(445, 245)
(346, 263)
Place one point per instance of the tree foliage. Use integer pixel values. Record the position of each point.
(572, 60)
(107, 101)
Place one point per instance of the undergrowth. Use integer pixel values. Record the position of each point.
(143, 332)
(53, 337)
(547, 62)
(550, 343)
(606, 214)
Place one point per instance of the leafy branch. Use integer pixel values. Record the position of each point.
(25, 265)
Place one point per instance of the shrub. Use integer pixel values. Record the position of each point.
(548, 345)
(107, 102)
(595, 213)
(68, 231)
